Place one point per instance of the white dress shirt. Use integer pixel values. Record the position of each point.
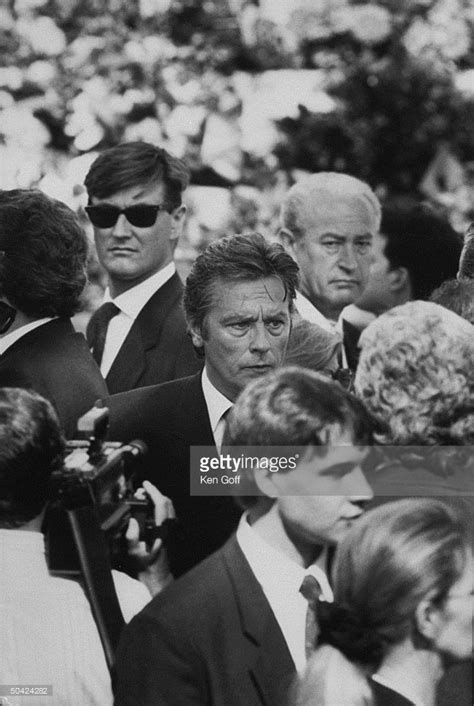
(48, 634)
(281, 579)
(8, 339)
(130, 304)
(308, 312)
(217, 406)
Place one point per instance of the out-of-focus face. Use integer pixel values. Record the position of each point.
(375, 297)
(131, 254)
(321, 498)
(334, 254)
(245, 332)
(454, 638)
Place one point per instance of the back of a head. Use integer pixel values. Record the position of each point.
(317, 195)
(311, 346)
(415, 375)
(393, 557)
(422, 242)
(236, 258)
(134, 164)
(456, 295)
(31, 449)
(295, 406)
(44, 254)
(466, 260)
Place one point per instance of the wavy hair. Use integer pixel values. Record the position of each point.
(415, 375)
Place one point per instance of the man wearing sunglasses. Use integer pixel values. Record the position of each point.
(138, 336)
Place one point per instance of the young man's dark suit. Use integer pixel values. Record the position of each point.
(170, 418)
(157, 347)
(383, 696)
(55, 361)
(223, 648)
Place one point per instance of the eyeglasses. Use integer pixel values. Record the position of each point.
(142, 215)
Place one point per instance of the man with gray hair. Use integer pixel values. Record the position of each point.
(328, 222)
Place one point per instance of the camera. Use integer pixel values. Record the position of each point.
(99, 476)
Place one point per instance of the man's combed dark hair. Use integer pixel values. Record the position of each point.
(31, 449)
(137, 164)
(236, 258)
(422, 242)
(43, 254)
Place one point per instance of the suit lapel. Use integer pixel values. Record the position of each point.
(270, 665)
(144, 335)
(191, 416)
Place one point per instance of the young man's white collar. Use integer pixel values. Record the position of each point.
(8, 339)
(130, 304)
(134, 299)
(217, 405)
(281, 579)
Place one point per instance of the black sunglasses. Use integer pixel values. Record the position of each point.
(142, 215)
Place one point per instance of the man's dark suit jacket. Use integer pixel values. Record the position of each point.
(170, 418)
(383, 696)
(210, 638)
(55, 361)
(157, 347)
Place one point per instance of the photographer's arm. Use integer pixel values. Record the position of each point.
(153, 568)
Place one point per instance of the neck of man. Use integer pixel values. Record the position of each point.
(412, 672)
(268, 524)
(330, 311)
(118, 286)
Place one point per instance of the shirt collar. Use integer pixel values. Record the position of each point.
(217, 404)
(308, 311)
(266, 562)
(10, 338)
(134, 299)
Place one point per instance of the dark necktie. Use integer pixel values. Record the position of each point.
(98, 332)
(311, 590)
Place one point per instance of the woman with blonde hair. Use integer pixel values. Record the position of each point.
(402, 611)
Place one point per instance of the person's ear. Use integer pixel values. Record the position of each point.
(7, 316)
(177, 221)
(287, 238)
(428, 619)
(196, 336)
(264, 480)
(398, 279)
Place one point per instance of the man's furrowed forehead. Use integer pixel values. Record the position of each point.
(236, 295)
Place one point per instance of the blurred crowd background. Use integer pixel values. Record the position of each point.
(252, 93)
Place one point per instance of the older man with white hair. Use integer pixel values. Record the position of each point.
(328, 222)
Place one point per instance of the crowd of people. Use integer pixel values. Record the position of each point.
(341, 579)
